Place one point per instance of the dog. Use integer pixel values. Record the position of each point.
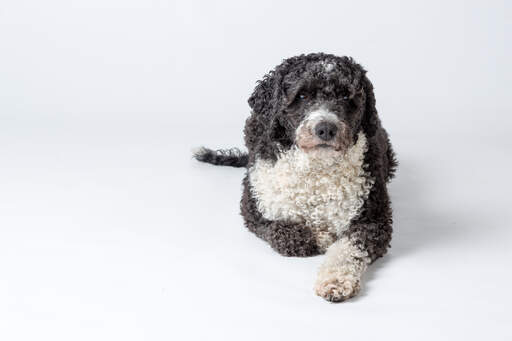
(318, 164)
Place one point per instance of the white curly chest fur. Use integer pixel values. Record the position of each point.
(323, 189)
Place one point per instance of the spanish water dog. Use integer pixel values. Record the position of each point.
(317, 166)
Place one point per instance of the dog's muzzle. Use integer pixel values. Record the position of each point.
(322, 129)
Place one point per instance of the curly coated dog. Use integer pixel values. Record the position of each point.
(317, 166)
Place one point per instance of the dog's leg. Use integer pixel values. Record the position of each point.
(340, 275)
(291, 239)
(366, 239)
(287, 238)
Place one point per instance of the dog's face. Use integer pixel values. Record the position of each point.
(323, 105)
(315, 102)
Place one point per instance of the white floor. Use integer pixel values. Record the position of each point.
(110, 231)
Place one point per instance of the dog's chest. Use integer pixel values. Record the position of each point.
(323, 190)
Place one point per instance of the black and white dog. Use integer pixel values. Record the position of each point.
(317, 166)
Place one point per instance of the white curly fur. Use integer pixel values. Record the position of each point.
(340, 275)
(323, 188)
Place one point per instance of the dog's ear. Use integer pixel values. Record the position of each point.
(266, 94)
(370, 122)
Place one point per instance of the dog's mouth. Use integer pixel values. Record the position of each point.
(324, 145)
(320, 147)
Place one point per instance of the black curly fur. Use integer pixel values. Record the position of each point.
(222, 157)
(271, 127)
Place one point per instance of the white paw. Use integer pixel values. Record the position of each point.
(337, 288)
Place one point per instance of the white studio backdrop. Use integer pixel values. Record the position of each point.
(108, 229)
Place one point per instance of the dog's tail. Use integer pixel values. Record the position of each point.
(223, 157)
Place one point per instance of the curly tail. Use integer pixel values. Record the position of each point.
(223, 157)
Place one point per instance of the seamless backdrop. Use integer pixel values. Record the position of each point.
(110, 231)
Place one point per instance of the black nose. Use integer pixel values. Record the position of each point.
(326, 130)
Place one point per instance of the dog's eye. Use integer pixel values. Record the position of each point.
(344, 94)
(302, 96)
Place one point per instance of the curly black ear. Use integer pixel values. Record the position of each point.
(262, 94)
(261, 130)
(264, 98)
(370, 122)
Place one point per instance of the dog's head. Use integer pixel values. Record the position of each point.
(315, 101)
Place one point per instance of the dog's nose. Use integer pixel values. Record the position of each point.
(326, 130)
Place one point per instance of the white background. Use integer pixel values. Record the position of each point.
(110, 231)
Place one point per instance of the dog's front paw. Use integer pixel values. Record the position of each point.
(337, 288)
